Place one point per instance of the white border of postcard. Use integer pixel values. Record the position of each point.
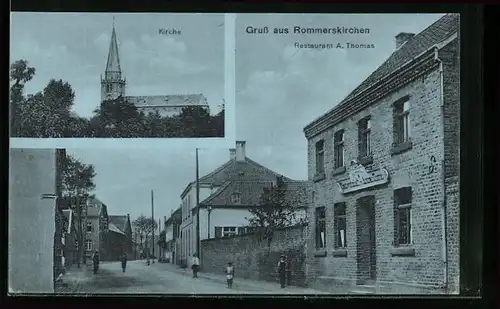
(229, 120)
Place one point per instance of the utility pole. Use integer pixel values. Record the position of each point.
(197, 205)
(159, 233)
(153, 225)
(80, 243)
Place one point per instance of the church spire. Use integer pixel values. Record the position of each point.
(113, 64)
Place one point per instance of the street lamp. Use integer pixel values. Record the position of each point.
(209, 209)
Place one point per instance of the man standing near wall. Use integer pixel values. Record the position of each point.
(282, 270)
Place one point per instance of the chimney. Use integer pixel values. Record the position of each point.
(240, 151)
(232, 153)
(402, 38)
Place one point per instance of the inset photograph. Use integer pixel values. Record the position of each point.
(123, 75)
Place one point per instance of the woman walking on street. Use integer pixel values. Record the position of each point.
(229, 274)
(195, 265)
(124, 262)
(95, 261)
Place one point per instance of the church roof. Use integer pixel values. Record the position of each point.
(167, 100)
(113, 64)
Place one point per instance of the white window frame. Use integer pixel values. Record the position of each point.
(406, 121)
(228, 231)
(89, 245)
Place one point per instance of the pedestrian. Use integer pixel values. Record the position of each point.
(229, 274)
(95, 261)
(124, 262)
(282, 270)
(195, 265)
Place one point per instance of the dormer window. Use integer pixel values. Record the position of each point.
(236, 198)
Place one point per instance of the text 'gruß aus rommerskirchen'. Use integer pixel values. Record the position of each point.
(307, 30)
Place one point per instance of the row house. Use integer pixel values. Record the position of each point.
(172, 228)
(224, 197)
(95, 225)
(385, 167)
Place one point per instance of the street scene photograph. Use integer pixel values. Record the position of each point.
(126, 75)
(343, 178)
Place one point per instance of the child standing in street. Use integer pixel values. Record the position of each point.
(229, 274)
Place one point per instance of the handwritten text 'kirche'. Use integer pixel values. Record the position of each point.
(302, 31)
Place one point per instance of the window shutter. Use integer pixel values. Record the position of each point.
(218, 232)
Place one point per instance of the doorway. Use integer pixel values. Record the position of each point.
(366, 241)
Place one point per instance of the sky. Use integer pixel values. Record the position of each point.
(279, 90)
(74, 47)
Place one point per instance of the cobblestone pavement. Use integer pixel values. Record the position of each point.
(161, 278)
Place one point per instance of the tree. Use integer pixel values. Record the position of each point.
(47, 113)
(278, 209)
(144, 226)
(77, 180)
(195, 121)
(117, 118)
(20, 73)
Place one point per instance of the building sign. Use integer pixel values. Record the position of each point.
(361, 178)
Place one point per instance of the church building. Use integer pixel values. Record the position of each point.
(113, 85)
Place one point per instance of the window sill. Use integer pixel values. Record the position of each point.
(400, 148)
(320, 253)
(365, 160)
(403, 251)
(340, 252)
(319, 177)
(338, 171)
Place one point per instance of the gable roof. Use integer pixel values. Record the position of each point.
(119, 221)
(168, 100)
(94, 207)
(113, 228)
(176, 216)
(247, 170)
(251, 192)
(436, 33)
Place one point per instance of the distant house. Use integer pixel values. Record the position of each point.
(172, 232)
(225, 195)
(119, 238)
(95, 227)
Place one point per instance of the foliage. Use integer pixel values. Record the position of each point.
(278, 209)
(77, 180)
(144, 227)
(49, 114)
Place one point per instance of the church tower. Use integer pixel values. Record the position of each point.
(112, 86)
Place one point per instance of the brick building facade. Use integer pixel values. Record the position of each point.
(385, 167)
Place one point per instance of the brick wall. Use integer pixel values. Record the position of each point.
(415, 168)
(450, 56)
(253, 259)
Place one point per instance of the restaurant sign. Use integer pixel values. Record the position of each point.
(361, 178)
